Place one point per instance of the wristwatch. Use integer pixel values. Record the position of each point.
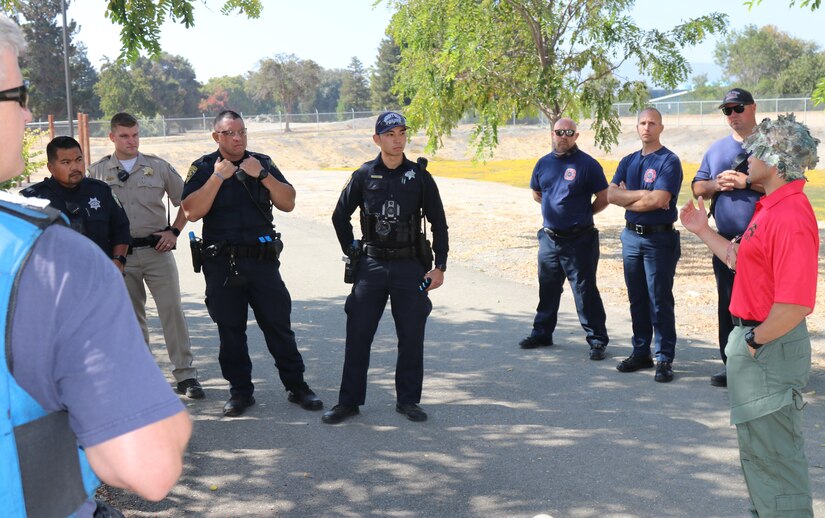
(751, 341)
(120, 258)
(442, 267)
(174, 230)
(748, 182)
(264, 174)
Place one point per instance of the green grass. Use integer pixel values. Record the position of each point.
(517, 173)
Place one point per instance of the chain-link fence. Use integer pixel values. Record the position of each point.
(678, 113)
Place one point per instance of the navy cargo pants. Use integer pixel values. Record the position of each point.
(377, 280)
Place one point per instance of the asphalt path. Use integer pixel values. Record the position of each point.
(510, 433)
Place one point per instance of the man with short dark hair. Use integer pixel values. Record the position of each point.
(393, 195)
(769, 349)
(647, 185)
(81, 395)
(92, 208)
(571, 187)
(140, 182)
(234, 191)
(723, 178)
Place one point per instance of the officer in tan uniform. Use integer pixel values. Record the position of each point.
(140, 182)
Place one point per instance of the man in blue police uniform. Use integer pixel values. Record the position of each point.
(394, 194)
(647, 185)
(723, 178)
(92, 208)
(234, 190)
(79, 391)
(565, 182)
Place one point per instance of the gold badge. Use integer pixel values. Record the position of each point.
(148, 171)
(110, 179)
(192, 169)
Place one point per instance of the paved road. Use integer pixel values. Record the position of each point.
(511, 432)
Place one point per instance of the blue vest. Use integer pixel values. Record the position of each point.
(43, 472)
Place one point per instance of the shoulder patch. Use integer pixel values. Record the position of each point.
(349, 181)
(192, 169)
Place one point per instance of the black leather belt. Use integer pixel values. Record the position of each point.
(138, 242)
(378, 252)
(742, 322)
(648, 229)
(573, 232)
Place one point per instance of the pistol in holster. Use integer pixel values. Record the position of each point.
(195, 246)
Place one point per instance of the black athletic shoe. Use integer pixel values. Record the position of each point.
(531, 342)
(664, 372)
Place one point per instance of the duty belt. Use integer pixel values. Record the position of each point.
(572, 232)
(378, 252)
(261, 253)
(643, 230)
(138, 242)
(742, 322)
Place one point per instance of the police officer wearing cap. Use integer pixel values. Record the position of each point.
(234, 191)
(571, 187)
(646, 185)
(89, 204)
(393, 194)
(723, 178)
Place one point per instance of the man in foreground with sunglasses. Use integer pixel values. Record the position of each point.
(723, 178)
(571, 187)
(141, 181)
(234, 190)
(769, 350)
(92, 208)
(80, 395)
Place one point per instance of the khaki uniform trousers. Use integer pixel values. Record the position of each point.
(160, 273)
(767, 411)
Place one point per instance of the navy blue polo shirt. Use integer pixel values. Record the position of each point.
(732, 209)
(657, 171)
(242, 210)
(567, 184)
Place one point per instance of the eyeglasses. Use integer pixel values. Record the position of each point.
(18, 94)
(727, 110)
(564, 133)
(231, 134)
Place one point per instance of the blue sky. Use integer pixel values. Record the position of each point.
(331, 32)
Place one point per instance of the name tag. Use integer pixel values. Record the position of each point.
(376, 176)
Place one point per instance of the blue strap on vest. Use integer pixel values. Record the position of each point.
(43, 470)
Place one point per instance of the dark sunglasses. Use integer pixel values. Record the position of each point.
(739, 108)
(564, 133)
(18, 94)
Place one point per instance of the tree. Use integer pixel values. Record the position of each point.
(141, 20)
(121, 89)
(328, 91)
(285, 79)
(754, 57)
(232, 89)
(173, 83)
(165, 86)
(801, 75)
(43, 66)
(499, 57)
(382, 80)
(355, 90)
(818, 95)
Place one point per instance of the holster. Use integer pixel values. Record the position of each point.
(195, 246)
(424, 251)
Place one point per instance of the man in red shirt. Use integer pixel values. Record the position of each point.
(769, 349)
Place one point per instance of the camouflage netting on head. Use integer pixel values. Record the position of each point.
(785, 144)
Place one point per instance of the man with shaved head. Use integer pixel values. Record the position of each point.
(647, 185)
(571, 187)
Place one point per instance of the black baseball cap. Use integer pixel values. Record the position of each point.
(389, 120)
(737, 96)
